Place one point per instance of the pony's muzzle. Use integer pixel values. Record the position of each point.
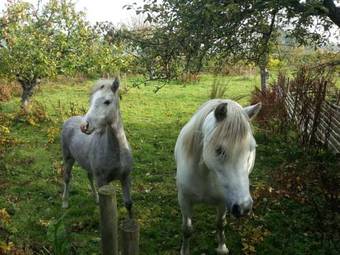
(84, 127)
(242, 209)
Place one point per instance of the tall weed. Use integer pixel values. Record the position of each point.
(218, 89)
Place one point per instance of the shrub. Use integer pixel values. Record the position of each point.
(7, 140)
(36, 114)
(62, 113)
(5, 93)
(189, 77)
(7, 90)
(304, 102)
(273, 113)
(225, 68)
(53, 134)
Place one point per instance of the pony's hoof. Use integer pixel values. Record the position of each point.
(222, 250)
(64, 205)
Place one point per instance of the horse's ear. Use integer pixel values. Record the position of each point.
(221, 111)
(252, 110)
(115, 85)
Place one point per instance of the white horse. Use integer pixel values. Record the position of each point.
(215, 153)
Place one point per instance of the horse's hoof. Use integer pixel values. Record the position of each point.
(64, 205)
(222, 250)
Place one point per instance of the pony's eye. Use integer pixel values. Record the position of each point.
(220, 152)
(107, 102)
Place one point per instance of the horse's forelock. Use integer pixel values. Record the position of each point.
(234, 129)
(100, 85)
(193, 136)
(228, 132)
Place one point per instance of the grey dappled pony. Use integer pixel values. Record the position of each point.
(98, 143)
(215, 153)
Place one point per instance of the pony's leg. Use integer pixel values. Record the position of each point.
(93, 187)
(68, 163)
(126, 184)
(186, 209)
(221, 215)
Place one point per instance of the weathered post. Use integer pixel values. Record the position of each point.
(108, 220)
(129, 231)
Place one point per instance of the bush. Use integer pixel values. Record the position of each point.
(8, 90)
(37, 113)
(273, 113)
(189, 77)
(305, 99)
(226, 68)
(7, 140)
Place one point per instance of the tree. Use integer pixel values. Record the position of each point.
(237, 30)
(324, 9)
(41, 42)
(25, 53)
(110, 55)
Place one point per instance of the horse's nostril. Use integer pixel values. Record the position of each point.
(236, 210)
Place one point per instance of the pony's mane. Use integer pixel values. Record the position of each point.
(233, 129)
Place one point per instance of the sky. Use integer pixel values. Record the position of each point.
(101, 10)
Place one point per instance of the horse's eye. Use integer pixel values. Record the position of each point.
(107, 102)
(220, 152)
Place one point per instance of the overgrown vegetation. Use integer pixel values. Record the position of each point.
(184, 50)
(295, 191)
(218, 88)
(308, 101)
(310, 175)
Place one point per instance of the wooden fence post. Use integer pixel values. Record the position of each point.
(129, 231)
(108, 220)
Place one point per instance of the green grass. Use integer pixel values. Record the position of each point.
(31, 182)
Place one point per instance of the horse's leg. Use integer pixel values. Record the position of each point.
(186, 209)
(126, 184)
(221, 215)
(93, 188)
(68, 163)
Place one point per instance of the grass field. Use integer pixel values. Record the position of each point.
(293, 212)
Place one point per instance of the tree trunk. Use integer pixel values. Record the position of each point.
(27, 92)
(264, 78)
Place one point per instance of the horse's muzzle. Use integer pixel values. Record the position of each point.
(84, 127)
(242, 209)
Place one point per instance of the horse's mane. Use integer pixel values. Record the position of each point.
(232, 130)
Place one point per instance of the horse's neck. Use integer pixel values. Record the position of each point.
(118, 130)
(114, 136)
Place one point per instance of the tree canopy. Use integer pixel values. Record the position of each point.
(52, 39)
(233, 30)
